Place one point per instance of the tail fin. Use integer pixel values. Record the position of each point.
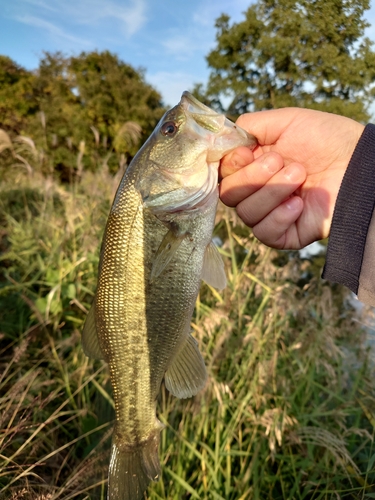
(132, 468)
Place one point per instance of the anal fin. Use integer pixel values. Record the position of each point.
(187, 374)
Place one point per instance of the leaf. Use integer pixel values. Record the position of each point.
(282, 54)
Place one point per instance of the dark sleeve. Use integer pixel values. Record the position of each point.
(352, 217)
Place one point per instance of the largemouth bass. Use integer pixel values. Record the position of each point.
(156, 250)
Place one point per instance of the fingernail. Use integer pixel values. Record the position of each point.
(271, 164)
(293, 203)
(292, 173)
(237, 161)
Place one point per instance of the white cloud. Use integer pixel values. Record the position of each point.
(51, 28)
(194, 41)
(181, 46)
(134, 18)
(199, 35)
(131, 16)
(42, 4)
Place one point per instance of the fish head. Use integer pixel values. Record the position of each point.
(179, 162)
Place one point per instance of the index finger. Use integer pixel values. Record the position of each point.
(235, 160)
(248, 180)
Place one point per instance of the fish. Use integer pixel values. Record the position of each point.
(157, 248)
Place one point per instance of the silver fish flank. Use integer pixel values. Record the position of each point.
(156, 250)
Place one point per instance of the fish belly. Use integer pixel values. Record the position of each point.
(142, 324)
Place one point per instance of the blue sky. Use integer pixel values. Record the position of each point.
(168, 38)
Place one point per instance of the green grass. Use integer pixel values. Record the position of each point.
(289, 408)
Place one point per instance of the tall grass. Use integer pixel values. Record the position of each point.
(289, 408)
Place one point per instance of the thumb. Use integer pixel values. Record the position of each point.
(268, 126)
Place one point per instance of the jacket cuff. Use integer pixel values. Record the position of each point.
(352, 215)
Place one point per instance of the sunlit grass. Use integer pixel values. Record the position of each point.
(289, 408)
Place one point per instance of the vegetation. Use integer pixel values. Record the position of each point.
(79, 109)
(294, 53)
(289, 408)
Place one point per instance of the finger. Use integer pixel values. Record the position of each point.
(280, 187)
(267, 126)
(247, 180)
(234, 161)
(278, 229)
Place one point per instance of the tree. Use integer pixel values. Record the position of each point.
(16, 95)
(78, 110)
(111, 93)
(307, 53)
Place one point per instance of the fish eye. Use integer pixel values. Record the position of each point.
(169, 129)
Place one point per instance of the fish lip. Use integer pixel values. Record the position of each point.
(212, 121)
(192, 105)
(205, 117)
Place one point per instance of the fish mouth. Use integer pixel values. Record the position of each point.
(217, 123)
(193, 185)
(192, 105)
(202, 114)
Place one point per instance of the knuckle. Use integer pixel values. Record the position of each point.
(248, 178)
(245, 214)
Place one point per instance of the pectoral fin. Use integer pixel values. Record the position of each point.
(187, 375)
(90, 340)
(213, 268)
(167, 249)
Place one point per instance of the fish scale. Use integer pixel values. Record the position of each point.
(156, 250)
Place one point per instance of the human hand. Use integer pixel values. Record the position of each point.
(287, 188)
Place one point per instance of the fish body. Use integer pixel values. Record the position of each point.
(156, 250)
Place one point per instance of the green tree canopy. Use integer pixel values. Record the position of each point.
(306, 53)
(112, 92)
(83, 107)
(17, 99)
